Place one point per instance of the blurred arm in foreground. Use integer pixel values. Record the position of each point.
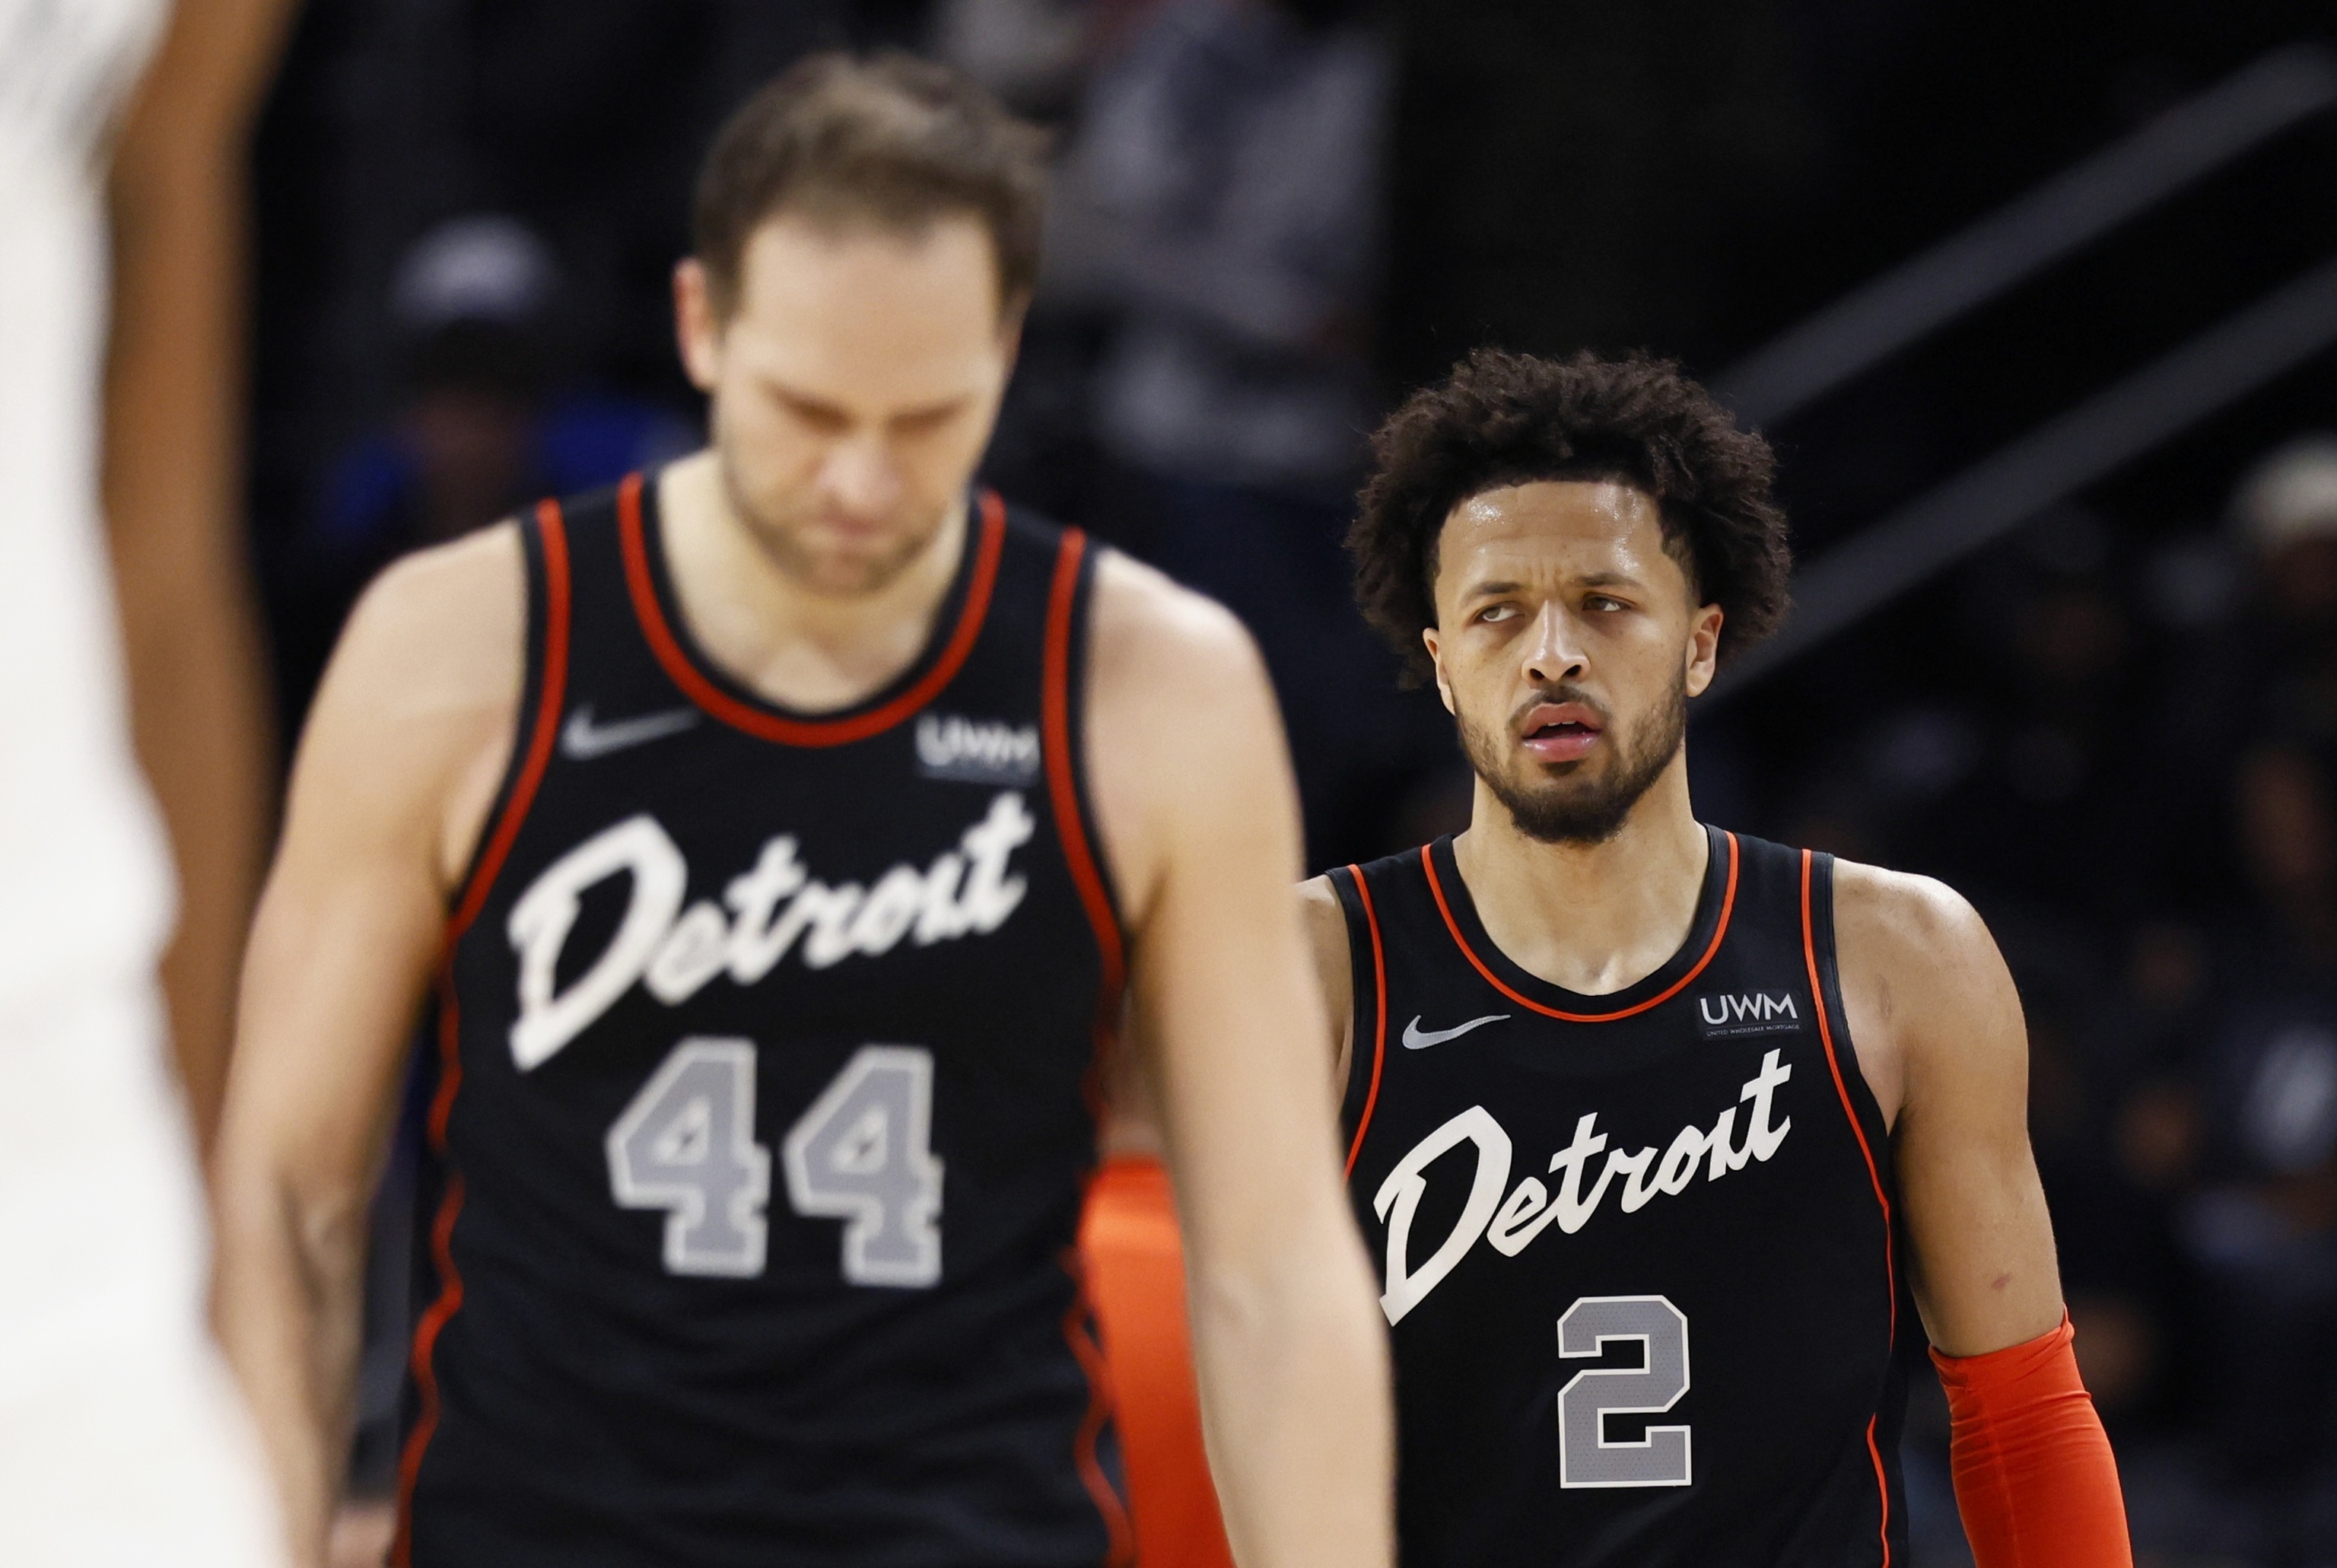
(172, 486)
(1193, 787)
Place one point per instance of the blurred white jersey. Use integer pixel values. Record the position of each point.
(120, 1439)
(84, 891)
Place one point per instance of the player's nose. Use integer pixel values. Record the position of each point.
(861, 476)
(1554, 650)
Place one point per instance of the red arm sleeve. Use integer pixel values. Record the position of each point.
(2035, 1480)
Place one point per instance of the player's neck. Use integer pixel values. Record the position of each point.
(1592, 917)
(788, 644)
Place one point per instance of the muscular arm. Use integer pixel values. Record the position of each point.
(172, 490)
(410, 731)
(2035, 1479)
(1199, 820)
(1942, 1039)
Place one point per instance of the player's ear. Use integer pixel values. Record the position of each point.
(1443, 688)
(1704, 648)
(696, 323)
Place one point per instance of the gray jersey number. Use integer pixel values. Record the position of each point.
(1585, 1456)
(685, 1144)
(863, 1154)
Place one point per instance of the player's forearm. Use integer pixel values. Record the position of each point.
(171, 488)
(1293, 1369)
(289, 1310)
(201, 733)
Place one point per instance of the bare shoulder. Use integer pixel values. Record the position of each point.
(1902, 915)
(1185, 747)
(1926, 990)
(413, 723)
(445, 626)
(1145, 624)
(1913, 936)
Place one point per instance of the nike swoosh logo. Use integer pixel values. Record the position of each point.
(1415, 1038)
(580, 740)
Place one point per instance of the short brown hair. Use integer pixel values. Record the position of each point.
(892, 140)
(1501, 419)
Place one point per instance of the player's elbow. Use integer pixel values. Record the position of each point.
(280, 1222)
(1311, 1295)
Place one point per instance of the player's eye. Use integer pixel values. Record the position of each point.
(925, 422)
(1492, 612)
(826, 421)
(1603, 604)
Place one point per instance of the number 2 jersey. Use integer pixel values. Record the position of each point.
(1635, 1249)
(764, 1106)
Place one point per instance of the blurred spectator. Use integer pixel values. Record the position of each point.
(2286, 510)
(2023, 779)
(479, 429)
(1031, 52)
(1223, 201)
(2265, 1232)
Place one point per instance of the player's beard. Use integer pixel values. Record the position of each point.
(1578, 806)
(777, 529)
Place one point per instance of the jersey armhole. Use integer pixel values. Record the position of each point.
(1822, 942)
(543, 541)
(1367, 982)
(1063, 707)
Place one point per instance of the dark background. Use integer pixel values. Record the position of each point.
(2113, 727)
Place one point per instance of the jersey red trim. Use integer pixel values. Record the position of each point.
(1881, 1483)
(1121, 1551)
(1719, 931)
(1842, 1089)
(1063, 781)
(1379, 1016)
(765, 725)
(1874, 1173)
(551, 697)
(1078, 855)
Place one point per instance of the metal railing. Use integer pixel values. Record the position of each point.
(2279, 92)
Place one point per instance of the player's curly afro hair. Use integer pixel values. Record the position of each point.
(1502, 419)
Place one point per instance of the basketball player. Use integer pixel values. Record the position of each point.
(783, 830)
(1650, 1121)
(123, 131)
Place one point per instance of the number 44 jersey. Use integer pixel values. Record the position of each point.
(1635, 1249)
(763, 1109)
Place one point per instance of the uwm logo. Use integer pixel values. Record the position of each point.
(1758, 1013)
(975, 752)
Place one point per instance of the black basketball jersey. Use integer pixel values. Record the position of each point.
(1637, 1248)
(765, 1105)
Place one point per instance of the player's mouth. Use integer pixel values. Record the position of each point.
(1561, 731)
(854, 528)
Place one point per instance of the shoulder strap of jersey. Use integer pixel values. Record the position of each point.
(1850, 1086)
(1062, 704)
(544, 538)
